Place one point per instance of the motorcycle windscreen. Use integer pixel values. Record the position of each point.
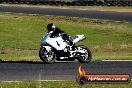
(45, 37)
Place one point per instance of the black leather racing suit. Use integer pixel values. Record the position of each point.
(56, 31)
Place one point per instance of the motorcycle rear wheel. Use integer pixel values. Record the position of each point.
(87, 55)
(47, 57)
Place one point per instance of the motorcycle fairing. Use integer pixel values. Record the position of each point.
(57, 42)
(77, 38)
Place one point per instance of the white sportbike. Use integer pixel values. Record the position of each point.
(56, 48)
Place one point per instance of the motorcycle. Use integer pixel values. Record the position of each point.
(57, 48)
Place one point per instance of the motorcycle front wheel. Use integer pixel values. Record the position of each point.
(47, 56)
(86, 56)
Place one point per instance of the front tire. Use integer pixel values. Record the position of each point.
(85, 57)
(47, 56)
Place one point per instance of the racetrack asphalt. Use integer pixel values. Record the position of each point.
(108, 15)
(28, 71)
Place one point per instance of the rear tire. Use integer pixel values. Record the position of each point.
(47, 57)
(87, 55)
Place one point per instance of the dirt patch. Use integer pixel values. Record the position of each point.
(11, 51)
(74, 20)
(105, 9)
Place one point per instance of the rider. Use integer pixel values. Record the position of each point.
(55, 31)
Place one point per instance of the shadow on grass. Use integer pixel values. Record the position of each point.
(29, 62)
(40, 62)
(36, 62)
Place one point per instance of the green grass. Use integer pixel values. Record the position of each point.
(60, 84)
(19, 55)
(118, 55)
(20, 35)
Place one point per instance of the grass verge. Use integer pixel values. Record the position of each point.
(60, 84)
(20, 35)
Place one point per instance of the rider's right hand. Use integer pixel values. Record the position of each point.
(50, 32)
